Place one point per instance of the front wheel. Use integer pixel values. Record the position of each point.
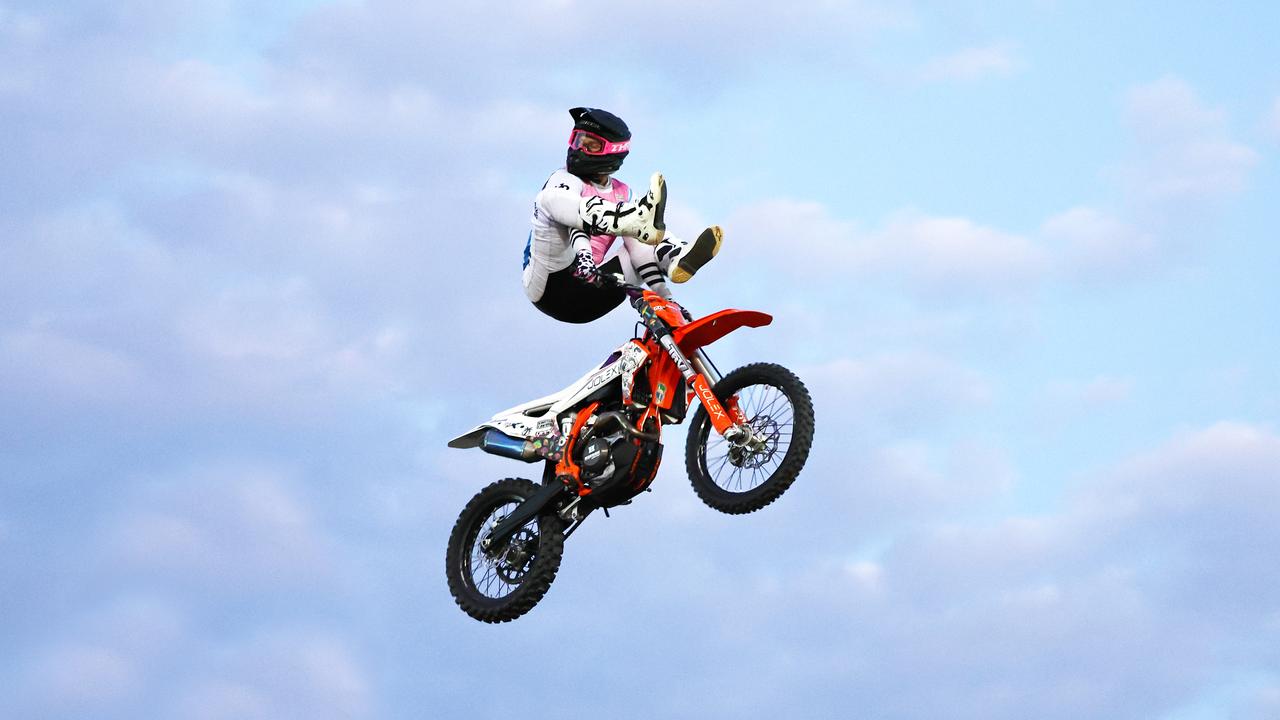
(502, 583)
(779, 411)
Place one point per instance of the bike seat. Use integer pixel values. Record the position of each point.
(533, 408)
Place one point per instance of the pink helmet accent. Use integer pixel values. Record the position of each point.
(607, 147)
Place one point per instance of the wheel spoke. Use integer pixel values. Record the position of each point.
(773, 403)
(495, 576)
(771, 415)
(721, 463)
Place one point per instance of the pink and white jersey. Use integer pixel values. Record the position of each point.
(616, 192)
(550, 247)
(555, 210)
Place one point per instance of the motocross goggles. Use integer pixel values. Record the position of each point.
(592, 144)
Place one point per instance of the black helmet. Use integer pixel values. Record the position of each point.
(598, 143)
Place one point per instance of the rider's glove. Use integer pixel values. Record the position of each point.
(584, 269)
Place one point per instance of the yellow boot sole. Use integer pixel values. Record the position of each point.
(701, 252)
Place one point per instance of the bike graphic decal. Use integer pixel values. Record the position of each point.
(633, 356)
(719, 418)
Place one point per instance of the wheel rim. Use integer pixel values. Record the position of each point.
(497, 574)
(771, 415)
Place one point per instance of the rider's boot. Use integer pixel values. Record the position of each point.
(641, 219)
(681, 260)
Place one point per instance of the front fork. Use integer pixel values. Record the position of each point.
(704, 365)
(700, 373)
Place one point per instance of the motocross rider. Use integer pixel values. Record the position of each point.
(582, 211)
(579, 215)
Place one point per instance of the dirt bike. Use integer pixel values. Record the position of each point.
(747, 442)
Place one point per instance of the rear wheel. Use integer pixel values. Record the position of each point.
(502, 583)
(779, 411)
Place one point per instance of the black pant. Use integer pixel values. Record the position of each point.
(568, 299)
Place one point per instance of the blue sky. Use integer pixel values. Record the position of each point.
(258, 266)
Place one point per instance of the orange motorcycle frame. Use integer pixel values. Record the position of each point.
(669, 344)
(687, 338)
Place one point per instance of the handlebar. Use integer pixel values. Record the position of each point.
(634, 292)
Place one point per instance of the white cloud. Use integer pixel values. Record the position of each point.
(78, 678)
(972, 64)
(66, 370)
(1184, 157)
(938, 257)
(108, 316)
(1185, 523)
(81, 262)
(1227, 468)
(1109, 606)
(912, 478)
(949, 256)
(1202, 168)
(276, 674)
(277, 323)
(279, 675)
(485, 43)
(904, 389)
(1183, 160)
(1184, 149)
(895, 445)
(868, 574)
(231, 529)
(100, 662)
(761, 224)
(1098, 245)
(1170, 109)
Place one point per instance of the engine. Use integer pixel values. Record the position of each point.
(617, 462)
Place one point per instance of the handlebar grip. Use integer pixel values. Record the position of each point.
(635, 292)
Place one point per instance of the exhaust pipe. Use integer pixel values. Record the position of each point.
(496, 442)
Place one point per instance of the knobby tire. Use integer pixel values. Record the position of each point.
(780, 474)
(464, 559)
